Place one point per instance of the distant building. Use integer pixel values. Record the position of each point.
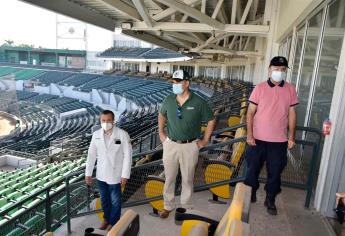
(43, 57)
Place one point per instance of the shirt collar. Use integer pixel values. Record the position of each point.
(189, 98)
(273, 85)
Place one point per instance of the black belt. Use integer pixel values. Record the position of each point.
(183, 141)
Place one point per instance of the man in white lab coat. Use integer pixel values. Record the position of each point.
(112, 148)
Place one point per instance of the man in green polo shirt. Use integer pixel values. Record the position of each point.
(183, 112)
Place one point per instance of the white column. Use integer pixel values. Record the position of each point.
(259, 74)
(142, 66)
(223, 71)
(196, 70)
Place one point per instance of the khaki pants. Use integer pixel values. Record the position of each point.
(175, 155)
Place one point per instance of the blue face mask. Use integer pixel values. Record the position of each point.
(177, 89)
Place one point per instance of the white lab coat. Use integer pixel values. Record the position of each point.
(113, 161)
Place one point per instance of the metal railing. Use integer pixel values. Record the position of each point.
(70, 197)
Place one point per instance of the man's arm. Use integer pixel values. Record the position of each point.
(127, 160)
(250, 118)
(161, 124)
(208, 132)
(292, 126)
(90, 162)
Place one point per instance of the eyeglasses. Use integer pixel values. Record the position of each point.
(179, 112)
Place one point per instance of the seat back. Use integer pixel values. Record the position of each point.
(238, 210)
(128, 225)
(200, 229)
(238, 228)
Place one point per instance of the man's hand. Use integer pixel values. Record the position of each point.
(162, 137)
(123, 182)
(88, 180)
(291, 143)
(201, 143)
(251, 140)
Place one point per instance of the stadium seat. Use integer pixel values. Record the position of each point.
(194, 221)
(154, 188)
(224, 168)
(128, 225)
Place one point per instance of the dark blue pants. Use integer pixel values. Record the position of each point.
(111, 201)
(275, 155)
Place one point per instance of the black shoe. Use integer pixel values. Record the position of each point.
(253, 196)
(270, 204)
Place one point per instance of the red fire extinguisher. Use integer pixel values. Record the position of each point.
(326, 127)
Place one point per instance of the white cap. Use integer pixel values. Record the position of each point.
(181, 75)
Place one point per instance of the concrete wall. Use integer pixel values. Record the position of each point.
(42, 89)
(15, 161)
(55, 90)
(292, 12)
(161, 67)
(69, 92)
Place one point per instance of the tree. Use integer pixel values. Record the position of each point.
(9, 42)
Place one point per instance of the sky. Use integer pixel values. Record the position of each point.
(27, 24)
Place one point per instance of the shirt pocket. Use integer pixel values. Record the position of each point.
(115, 148)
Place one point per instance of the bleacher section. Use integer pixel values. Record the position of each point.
(144, 92)
(161, 53)
(20, 74)
(21, 184)
(101, 82)
(140, 53)
(124, 52)
(7, 70)
(78, 79)
(42, 126)
(53, 77)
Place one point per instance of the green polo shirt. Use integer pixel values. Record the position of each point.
(194, 112)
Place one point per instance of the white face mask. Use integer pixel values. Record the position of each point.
(106, 126)
(278, 76)
(177, 89)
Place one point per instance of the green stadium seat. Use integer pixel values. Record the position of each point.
(17, 212)
(16, 232)
(3, 201)
(6, 206)
(32, 203)
(5, 191)
(19, 185)
(14, 195)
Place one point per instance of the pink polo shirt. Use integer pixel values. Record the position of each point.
(273, 103)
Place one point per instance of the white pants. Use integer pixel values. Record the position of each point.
(175, 155)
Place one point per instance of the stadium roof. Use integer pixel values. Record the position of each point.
(189, 26)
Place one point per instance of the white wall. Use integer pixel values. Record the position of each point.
(122, 105)
(42, 89)
(19, 85)
(69, 92)
(55, 90)
(161, 67)
(291, 12)
(96, 97)
(15, 161)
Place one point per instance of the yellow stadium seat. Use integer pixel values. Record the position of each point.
(233, 222)
(154, 188)
(219, 169)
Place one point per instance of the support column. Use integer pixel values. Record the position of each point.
(196, 70)
(223, 71)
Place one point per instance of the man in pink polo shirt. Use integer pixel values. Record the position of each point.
(271, 114)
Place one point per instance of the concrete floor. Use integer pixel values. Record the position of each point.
(292, 219)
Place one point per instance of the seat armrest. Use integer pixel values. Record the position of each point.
(184, 214)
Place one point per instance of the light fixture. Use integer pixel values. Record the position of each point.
(126, 25)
